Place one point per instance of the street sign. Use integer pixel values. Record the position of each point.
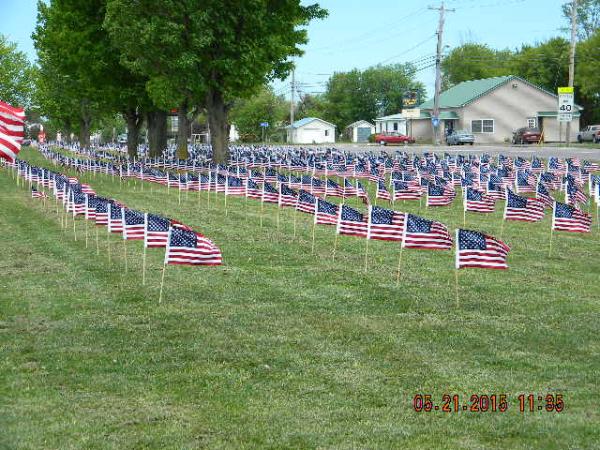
(435, 121)
(264, 124)
(413, 113)
(565, 104)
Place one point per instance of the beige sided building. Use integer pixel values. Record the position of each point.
(492, 109)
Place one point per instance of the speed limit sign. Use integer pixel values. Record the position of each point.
(565, 104)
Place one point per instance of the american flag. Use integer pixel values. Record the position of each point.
(38, 194)
(543, 195)
(439, 195)
(420, 233)
(87, 189)
(235, 186)
(403, 191)
(253, 190)
(156, 231)
(190, 248)
(574, 194)
(270, 194)
(495, 189)
(385, 224)
(477, 201)
(349, 189)
(333, 189)
(133, 224)
(306, 202)
(101, 215)
(362, 193)
(76, 203)
(570, 218)
(351, 222)
(115, 218)
(525, 182)
(478, 250)
(523, 208)
(326, 212)
(382, 192)
(287, 196)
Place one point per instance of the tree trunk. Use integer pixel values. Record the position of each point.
(157, 132)
(85, 122)
(219, 127)
(134, 121)
(183, 130)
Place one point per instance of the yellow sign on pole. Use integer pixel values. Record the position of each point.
(566, 90)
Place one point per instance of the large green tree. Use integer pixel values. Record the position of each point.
(473, 61)
(16, 74)
(264, 106)
(209, 52)
(366, 94)
(588, 17)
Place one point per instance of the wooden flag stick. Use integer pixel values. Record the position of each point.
(312, 251)
(125, 254)
(551, 234)
(399, 266)
(262, 205)
(278, 212)
(335, 245)
(226, 205)
(366, 254)
(179, 196)
(295, 217)
(97, 243)
(86, 234)
(144, 267)
(162, 282)
(74, 228)
(108, 244)
(456, 286)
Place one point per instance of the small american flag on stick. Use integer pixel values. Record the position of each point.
(570, 218)
(190, 248)
(478, 250)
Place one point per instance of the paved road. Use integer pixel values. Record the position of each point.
(592, 154)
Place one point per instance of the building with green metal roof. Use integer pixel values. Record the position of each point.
(492, 108)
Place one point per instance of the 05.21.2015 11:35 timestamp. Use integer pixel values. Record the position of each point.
(481, 403)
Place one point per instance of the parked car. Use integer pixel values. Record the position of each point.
(393, 138)
(526, 135)
(460, 137)
(590, 133)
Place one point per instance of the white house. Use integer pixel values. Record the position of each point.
(395, 123)
(360, 131)
(311, 130)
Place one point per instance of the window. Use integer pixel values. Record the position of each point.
(395, 126)
(326, 132)
(482, 126)
(532, 122)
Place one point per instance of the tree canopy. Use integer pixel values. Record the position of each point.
(16, 74)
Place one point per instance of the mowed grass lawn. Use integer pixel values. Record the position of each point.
(279, 348)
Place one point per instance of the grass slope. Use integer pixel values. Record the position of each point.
(282, 349)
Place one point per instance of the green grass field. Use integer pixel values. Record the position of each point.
(279, 348)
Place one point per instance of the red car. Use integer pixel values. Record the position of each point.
(393, 138)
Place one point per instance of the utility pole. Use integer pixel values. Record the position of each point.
(293, 87)
(438, 72)
(572, 59)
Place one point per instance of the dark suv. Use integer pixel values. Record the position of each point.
(526, 135)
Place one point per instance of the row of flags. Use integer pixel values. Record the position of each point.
(411, 231)
(12, 131)
(183, 245)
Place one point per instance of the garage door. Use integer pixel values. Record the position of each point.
(362, 134)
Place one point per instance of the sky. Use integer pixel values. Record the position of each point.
(361, 33)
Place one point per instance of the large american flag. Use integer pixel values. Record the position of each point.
(351, 222)
(570, 218)
(326, 212)
(156, 231)
(477, 201)
(133, 224)
(420, 233)
(190, 248)
(523, 208)
(12, 121)
(385, 224)
(478, 250)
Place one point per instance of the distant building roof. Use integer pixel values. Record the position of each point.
(307, 120)
(469, 91)
(360, 122)
(392, 117)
